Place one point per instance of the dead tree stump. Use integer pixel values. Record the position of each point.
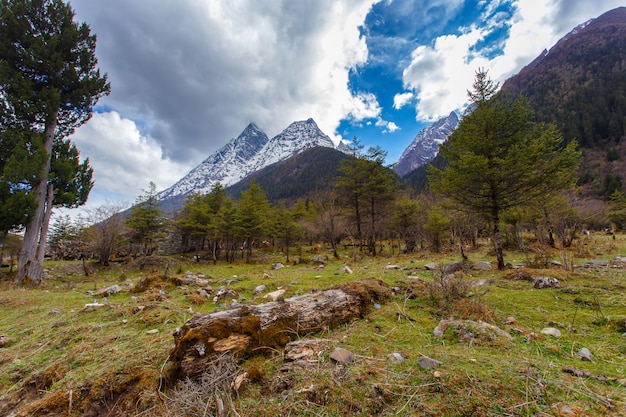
(248, 330)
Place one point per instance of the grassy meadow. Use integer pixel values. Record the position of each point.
(61, 358)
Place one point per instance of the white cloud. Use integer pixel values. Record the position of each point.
(124, 161)
(389, 127)
(440, 74)
(202, 70)
(401, 99)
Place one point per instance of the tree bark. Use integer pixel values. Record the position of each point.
(497, 239)
(266, 327)
(29, 268)
(45, 224)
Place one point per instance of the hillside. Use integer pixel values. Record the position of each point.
(580, 83)
(300, 176)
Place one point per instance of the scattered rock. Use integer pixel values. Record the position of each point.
(319, 259)
(347, 269)
(107, 291)
(431, 266)
(618, 262)
(391, 266)
(189, 279)
(276, 266)
(153, 331)
(278, 295)
(396, 358)
(566, 410)
(455, 267)
(259, 289)
(224, 293)
(470, 326)
(482, 266)
(310, 349)
(428, 363)
(585, 355)
(342, 356)
(55, 311)
(551, 331)
(596, 264)
(94, 305)
(4, 342)
(546, 282)
(203, 293)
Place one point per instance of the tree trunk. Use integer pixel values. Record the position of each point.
(497, 239)
(28, 265)
(41, 249)
(255, 329)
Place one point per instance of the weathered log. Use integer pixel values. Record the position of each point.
(266, 327)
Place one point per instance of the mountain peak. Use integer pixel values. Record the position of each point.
(425, 146)
(251, 151)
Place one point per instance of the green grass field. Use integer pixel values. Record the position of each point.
(61, 358)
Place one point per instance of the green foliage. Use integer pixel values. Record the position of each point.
(498, 159)
(253, 217)
(48, 67)
(368, 189)
(146, 221)
(617, 209)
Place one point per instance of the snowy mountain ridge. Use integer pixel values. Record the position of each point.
(248, 153)
(425, 146)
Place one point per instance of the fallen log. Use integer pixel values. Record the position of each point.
(266, 327)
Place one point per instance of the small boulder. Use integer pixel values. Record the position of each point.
(551, 331)
(347, 269)
(396, 358)
(455, 267)
(585, 355)
(391, 266)
(259, 289)
(107, 291)
(276, 266)
(482, 266)
(342, 356)
(546, 282)
(428, 363)
(431, 266)
(278, 295)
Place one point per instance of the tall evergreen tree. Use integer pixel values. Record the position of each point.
(253, 216)
(49, 84)
(146, 221)
(499, 159)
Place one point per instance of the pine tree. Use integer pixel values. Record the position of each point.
(498, 159)
(48, 86)
(146, 221)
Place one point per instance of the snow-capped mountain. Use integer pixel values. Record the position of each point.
(249, 152)
(425, 146)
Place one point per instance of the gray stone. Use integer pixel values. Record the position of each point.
(342, 356)
(277, 265)
(110, 290)
(55, 311)
(546, 282)
(482, 266)
(455, 267)
(396, 358)
(278, 295)
(431, 266)
(585, 355)
(551, 331)
(391, 266)
(428, 363)
(347, 269)
(259, 289)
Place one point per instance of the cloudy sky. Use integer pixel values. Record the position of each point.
(189, 75)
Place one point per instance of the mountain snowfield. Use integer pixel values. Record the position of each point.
(246, 154)
(425, 146)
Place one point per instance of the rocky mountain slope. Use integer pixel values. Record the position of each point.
(248, 153)
(425, 146)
